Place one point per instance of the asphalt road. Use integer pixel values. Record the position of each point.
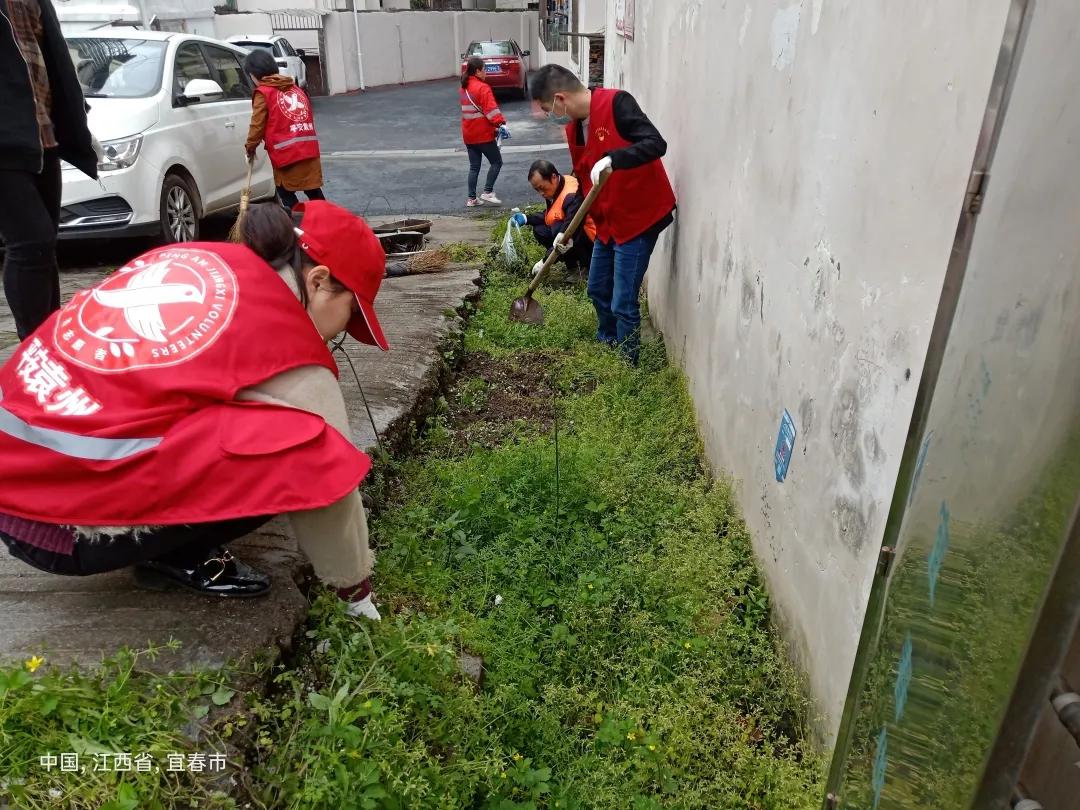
(387, 152)
(399, 149)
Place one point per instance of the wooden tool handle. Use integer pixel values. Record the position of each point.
(571, 229)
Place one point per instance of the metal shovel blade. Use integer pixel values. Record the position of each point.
(527, 310)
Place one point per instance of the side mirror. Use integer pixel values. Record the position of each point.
(202, 90)
(300, 53)
(463, 57)
(526, 53)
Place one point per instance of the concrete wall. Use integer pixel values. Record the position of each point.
(402, 47)
(820, 150)
(228, 25)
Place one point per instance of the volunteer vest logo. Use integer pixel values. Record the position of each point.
(161, 310)
(292, 106)
(602, 134)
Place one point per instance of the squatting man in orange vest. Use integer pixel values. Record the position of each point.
(563, 199)
(281, 118)
(606, 130)
(189, 397)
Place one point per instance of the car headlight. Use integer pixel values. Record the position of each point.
(119, 154)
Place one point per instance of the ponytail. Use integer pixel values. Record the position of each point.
(269, 230)
(472, 67)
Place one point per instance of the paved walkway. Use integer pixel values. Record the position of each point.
(80, 619)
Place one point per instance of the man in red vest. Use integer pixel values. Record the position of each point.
(607, 131)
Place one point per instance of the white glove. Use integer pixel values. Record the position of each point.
(538, 267)
(562, 244)
(364, 609)
(601, 166)
(98, 149)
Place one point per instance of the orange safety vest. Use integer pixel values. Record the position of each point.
(556, 211)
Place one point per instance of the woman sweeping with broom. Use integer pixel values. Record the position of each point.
(281, 117)
(189, 397)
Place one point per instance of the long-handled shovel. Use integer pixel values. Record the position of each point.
(526, 309)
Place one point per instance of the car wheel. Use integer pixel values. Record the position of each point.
(179, 210)
(525, 89)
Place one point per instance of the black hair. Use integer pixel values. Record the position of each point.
(260, 64)
(472, 67)
(544, 168)
(552, 79)
(269, 230)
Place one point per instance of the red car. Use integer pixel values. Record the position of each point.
(504, 64)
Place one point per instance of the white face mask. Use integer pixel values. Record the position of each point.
(563, 119)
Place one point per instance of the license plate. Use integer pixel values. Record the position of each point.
(493, 68)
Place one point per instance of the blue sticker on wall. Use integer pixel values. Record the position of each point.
(903, 679)
(785, 446)
(920, 462)
(881, 762)
(937, 553)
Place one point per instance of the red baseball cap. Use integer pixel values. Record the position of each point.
(350, 249)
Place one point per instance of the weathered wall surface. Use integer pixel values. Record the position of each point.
(820, 150)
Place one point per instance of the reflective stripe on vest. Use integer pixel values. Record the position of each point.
(297, 139)
(89, 448)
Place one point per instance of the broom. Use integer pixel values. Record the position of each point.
(430, 261)
(235, 232)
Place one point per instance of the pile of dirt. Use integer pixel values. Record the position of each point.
(492, 400)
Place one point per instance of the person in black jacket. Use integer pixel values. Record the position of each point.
(563, 199)
(44, 121)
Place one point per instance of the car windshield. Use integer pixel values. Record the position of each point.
(491, 49)
(262, 46)
(117, 68)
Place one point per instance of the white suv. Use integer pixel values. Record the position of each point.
(290, 61)
(171, 112)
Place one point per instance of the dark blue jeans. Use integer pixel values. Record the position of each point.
(478, 151)
(615, 277)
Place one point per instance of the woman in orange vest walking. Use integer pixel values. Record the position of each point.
(281, 118)
(563, 197)
(189, 397)
(482, 123)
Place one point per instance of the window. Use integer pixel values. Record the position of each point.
(287, 47)
(491, 49)
(117, 68)
(279, 51)
(190, 65)
(230, 72)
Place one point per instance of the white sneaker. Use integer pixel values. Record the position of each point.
(364, 609)
(473, 203)
(490, 198)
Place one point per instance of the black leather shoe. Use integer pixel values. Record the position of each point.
(220, 574)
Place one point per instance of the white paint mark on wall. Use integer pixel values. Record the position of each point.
(747, 14)
(818, 5)
(785, 29)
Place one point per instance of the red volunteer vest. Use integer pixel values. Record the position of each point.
(557, 210)
(119, 409)
(479, 125)
(290, 127)
(633, 200)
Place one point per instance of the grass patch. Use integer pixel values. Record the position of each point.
(117, 708)
(623, 625)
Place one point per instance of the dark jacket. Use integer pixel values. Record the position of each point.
(20, 143)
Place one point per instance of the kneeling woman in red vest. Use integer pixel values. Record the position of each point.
(187, 399)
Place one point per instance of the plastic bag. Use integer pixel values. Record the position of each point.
(510, 251)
